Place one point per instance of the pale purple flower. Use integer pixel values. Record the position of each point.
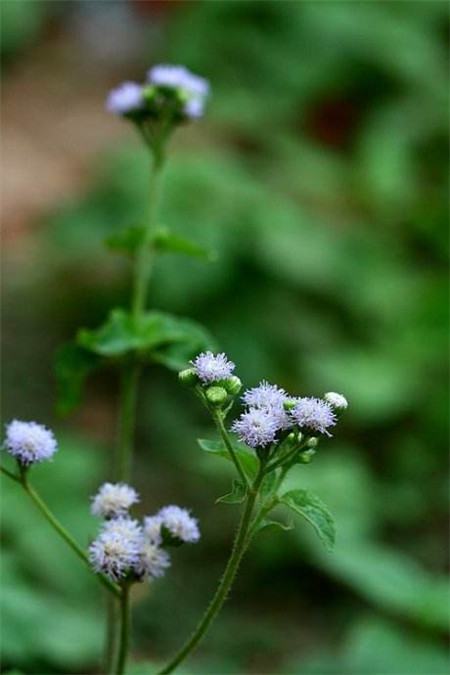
(152, 529)
(179, 523)
(313, 413)
(118, 548)
(153, 561)
(211, 367)
(113, 500)
(125, 98)
(29, 442)
(269, 397)
(195, 88)
(257, 427)
(336, 401)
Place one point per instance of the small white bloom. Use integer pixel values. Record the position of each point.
(118, 548)
(152, 529)
(337, 401)
(113, 499)
(153, 561)
(180, 523)
(29, 442)
(125, 98)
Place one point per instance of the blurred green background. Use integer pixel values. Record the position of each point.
(319, 176)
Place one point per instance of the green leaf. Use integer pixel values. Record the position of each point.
(249, 462)
(72, 366)
(314, 511)
(270, 522)
(160, 337)
(127, 240)
(166, 241)
(236, 496)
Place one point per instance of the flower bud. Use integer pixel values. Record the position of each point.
(289, 404)
(312, 442)
(233, 385)
(216, 395)
(337, 401)
(306, 456)
(188, 377)
(299, 437)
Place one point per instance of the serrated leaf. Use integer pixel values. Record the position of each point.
(158, 336)
(166, 241)
(72, 366)
(236, 496)
(127, 240)
(314, 511)
(249, 462)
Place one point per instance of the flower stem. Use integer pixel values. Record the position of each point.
(127, 420)
(124, 630)
(229, 446)
(239, 547)
(60, 529)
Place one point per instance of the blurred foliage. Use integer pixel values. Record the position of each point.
(319, 178)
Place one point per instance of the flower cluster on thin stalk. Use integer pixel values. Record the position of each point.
(170, 96)
(126, 550)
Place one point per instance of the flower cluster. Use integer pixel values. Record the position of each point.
(170, 92)
(29, 442)
(127, 549)
(269, 412)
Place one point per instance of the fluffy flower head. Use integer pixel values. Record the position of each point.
(314, 413)
(153, 561)
(125, 98)
(113, 500)
(152, 529)
(195, 88)
(179, 523)
(212, 367)
(257, 427)
(118, 548)
(29, 442)
(336, 401)
(265, 395)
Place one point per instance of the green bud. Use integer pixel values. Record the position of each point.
(306, 456)
(216, 395)
(289, 405)
(233, 385)
(312, 442)
(188, 377)
(299, 437)
(149, 92)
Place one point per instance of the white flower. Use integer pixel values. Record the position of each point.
(337, 401)
(125, 98)
(113, 499)
(118, 548)
(152, 529)
(153, 561)
(179, 523)
(29, 442)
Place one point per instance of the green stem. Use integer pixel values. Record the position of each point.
(229, 446)
(239, 546)
(60, 529)
(144, 255)
(124, 630)
(128, 398)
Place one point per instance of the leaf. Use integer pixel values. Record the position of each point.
(160, 337)
(236, 496)
(127, 240)
(165, 241)
(270, 522)
(72, 365)
(249, 462)
(314, 511)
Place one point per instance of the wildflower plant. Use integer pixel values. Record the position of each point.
(274, 431)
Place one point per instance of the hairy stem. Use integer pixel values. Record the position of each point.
(229, 446)
(124, 630)
(239, 546)
(127, 420)
(59, 528)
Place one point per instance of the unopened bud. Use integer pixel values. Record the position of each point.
(233, 385)
(188, 377)
(312, 442)
(216, 395)
(306, 456)
(337, 401)
(289, 405)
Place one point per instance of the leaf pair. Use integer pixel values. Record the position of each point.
(157, 337)
(131, 238)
